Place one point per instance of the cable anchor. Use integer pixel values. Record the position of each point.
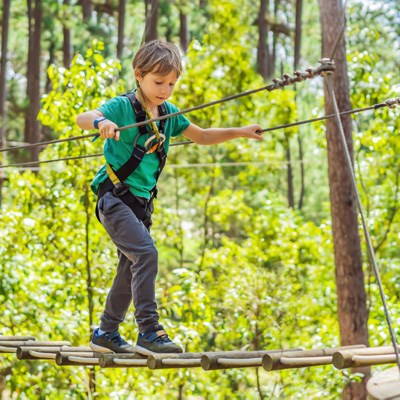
(392, 103)
(326, 68)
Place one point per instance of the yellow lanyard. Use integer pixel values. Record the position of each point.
(154, 126)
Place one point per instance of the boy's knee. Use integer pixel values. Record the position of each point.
(147, 255)
(151, 252)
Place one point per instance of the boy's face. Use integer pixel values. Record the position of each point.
(156, 88)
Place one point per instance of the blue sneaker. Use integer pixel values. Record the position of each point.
(156, 342)
(110, 343)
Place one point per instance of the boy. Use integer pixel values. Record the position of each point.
(125, 187)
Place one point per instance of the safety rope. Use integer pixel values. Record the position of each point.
(390, 103)
(328, 80)
(299, 76)
(142, 102)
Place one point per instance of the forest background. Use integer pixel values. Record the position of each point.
(243, 229)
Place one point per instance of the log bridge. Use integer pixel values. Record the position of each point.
(64, 354)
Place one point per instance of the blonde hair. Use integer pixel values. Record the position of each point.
(157, 57)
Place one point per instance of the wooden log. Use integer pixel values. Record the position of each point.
(8, 349)
(240, 362)
(66, 359)
(279, 363)
(106, 360)
(209, 361)
(15, 338)
(36, 355)
(13, 343)
(130, 363)
(272, 362)
(368, 360)
(23, 352)
(343, 358)
(174, 360)
(16, 343)
(385, 385)
(180, 363)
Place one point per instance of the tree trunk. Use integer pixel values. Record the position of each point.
(297, 52)
(47, 131)
(151, 9)
(87, 8)
(121, 27)
(32, 126)
(3, 72)
(165, 9)
(290, 191)
(263, 55)
(297, 34)
(275, 34)
(352, 309)
(52, 57)
(3, 77)
(183, 30)
(89, 282)
(67, 43)
(302, 172)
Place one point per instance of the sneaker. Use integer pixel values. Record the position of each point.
(156, 342)
(110, 343)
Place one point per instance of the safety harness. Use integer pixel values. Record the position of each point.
(116, 178)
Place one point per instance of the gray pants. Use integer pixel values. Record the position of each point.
(137, 267)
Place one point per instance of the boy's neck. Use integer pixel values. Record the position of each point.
(152, 108)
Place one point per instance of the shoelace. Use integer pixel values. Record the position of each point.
(163, 338)
(116, 338)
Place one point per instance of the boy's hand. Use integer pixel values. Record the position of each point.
(251, 131)
(108, 129)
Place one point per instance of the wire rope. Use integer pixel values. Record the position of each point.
(278, 83)
(391, 103)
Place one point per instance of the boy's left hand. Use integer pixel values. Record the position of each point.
(251, 131)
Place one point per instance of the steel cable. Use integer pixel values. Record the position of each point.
(391, 103)
(278, 84)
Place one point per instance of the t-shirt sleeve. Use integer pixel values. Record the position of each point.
(111, 109)
(179, 123)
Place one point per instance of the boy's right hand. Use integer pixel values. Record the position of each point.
(108, 130)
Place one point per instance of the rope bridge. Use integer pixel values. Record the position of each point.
(382, 386)
(65, 354)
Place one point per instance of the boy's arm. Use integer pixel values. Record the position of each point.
(106, 127)
(219, 135)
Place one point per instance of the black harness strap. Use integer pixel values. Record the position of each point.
(133, 162)
(139, 151)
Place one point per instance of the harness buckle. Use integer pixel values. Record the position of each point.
(154, 193)
(120, 189)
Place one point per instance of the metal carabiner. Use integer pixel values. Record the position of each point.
(155, 146)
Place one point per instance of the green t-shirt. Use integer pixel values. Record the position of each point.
(143, 179)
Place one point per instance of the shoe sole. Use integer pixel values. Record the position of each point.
(99, 349)
(145, 352)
